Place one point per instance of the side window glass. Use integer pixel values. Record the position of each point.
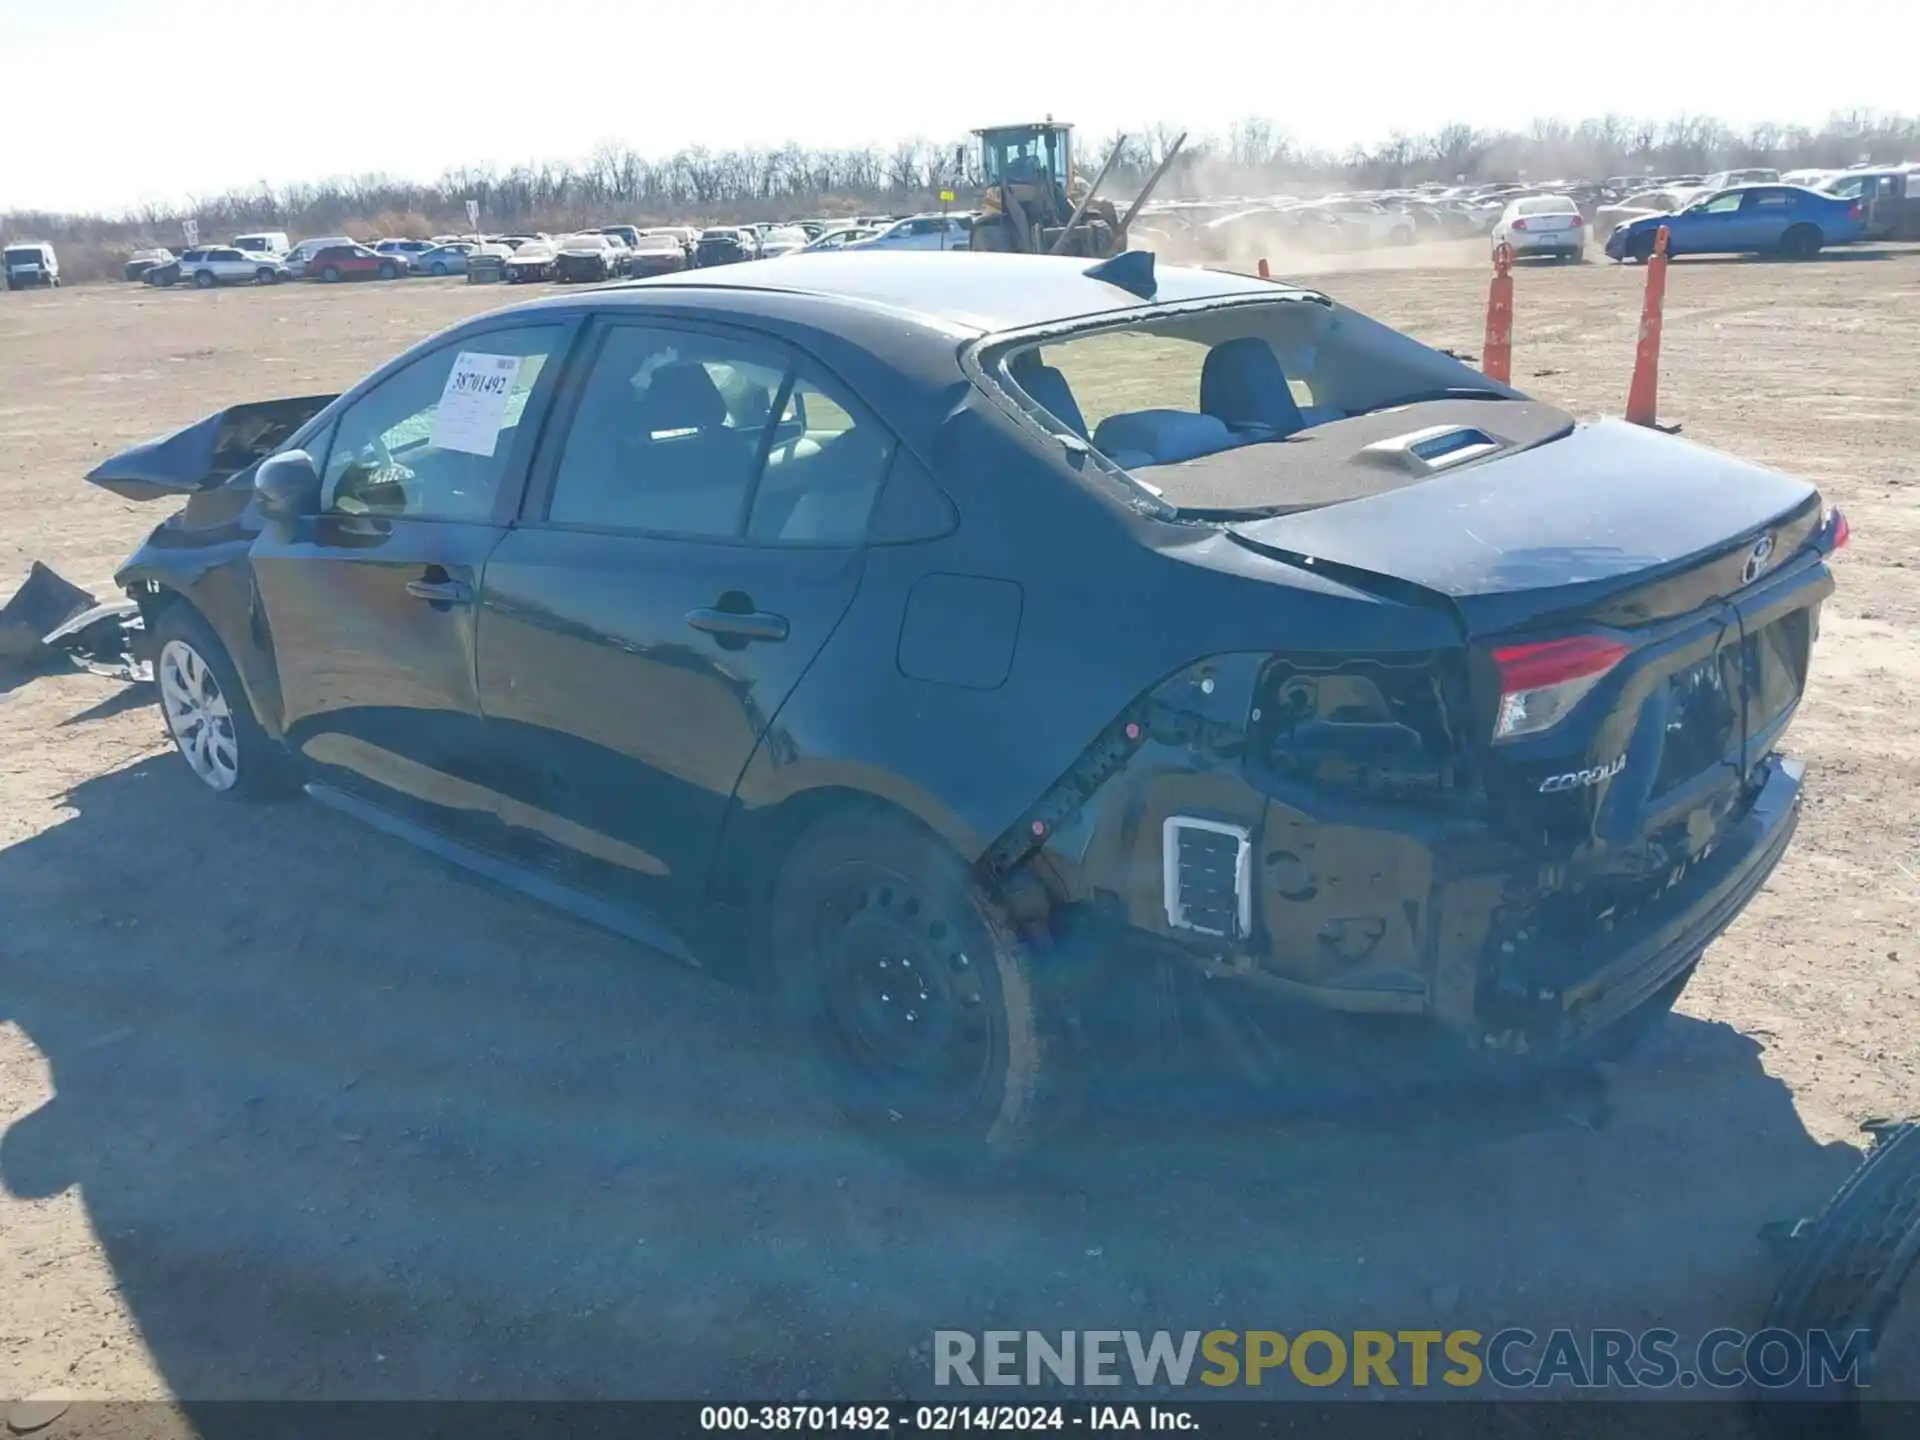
(433, 439)
(1724, 204)
(668, 432)
(823, 470)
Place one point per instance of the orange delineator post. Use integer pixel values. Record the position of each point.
(1643, 395)
(1265, 274)
(1496, 358)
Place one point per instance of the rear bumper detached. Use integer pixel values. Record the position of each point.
(1418, 923)
(1703, 904)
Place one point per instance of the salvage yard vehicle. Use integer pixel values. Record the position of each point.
(532, 260)
(1782, 220)
(962, 643)
(352, 261)
(591, 256)
(141, 261)
(1608, 218)
(1543, 225)
(302, 254)
(265, 242)
(725, 245)
(447, 259)
(657, 254)
(29, 263)
(206, 266)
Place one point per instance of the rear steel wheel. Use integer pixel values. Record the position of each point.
(931, 1023)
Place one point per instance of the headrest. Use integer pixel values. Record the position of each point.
(1242, 384)
(682, 397)
(1048, 388)
(1169, 436)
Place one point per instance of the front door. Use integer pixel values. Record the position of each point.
(693, 537)
(371, 603)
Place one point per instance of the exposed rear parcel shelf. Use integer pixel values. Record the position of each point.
(1635, 617)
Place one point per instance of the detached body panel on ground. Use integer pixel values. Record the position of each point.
(820, 604)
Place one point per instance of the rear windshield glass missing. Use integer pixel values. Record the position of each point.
(1172, 402)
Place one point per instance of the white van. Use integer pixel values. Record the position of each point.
(271, 242)
(31, 262)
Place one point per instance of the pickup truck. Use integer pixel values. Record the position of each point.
(1773, 219)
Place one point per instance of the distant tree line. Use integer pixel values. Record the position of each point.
(1254, 157)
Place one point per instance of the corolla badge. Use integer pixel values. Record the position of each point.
(1581, 779)
(1757, 559)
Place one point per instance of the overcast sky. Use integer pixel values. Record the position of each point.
(110, 103)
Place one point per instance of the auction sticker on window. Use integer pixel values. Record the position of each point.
(474, 403)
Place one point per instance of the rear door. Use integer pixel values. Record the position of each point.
(1766, 215)
(371, 604)
(693, 537)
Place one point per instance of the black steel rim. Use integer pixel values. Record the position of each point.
(905, 1004)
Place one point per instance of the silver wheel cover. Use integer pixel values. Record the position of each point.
(197, 715)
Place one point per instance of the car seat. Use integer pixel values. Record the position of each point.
(1161, 437)
(1047, 388)
(1242, 385)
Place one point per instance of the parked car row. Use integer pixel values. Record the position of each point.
(1752, 209)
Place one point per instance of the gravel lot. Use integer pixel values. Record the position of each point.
(291, 1111)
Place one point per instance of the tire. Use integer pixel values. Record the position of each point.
(204, 279)
(200, 694)
(1640, 248)
(387, 271)
(1801, 242)
(265, 276)
(439, 267)
(896, 963)
(329, 274)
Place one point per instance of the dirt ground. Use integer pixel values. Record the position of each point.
(291, 1111)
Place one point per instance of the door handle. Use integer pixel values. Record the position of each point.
(441, 592)
(738, 625)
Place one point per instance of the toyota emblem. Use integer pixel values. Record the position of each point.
(1757, 559)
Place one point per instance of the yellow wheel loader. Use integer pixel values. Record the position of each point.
(1034, 203)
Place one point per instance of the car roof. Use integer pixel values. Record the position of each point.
(983, 292)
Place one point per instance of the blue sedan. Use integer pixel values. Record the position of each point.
(1773, 219)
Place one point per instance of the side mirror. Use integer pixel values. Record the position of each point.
(288, 485)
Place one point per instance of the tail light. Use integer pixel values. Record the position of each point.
(1518, 225)
(1577, 221)
(1541, 682)
(1839, 532)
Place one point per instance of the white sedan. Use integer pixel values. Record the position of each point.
(1543, 225)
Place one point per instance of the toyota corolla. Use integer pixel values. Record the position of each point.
(959, 642)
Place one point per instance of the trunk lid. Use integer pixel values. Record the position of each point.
(1697, 565)
(1613, 523)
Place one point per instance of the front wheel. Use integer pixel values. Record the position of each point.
(440, 267)
(207, 715)
(388, 272)
(265, 276)
(328, 275)
(930, 1022)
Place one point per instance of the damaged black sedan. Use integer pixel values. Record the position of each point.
(957, 642)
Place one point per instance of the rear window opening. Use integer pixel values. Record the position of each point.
(1264, 407)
